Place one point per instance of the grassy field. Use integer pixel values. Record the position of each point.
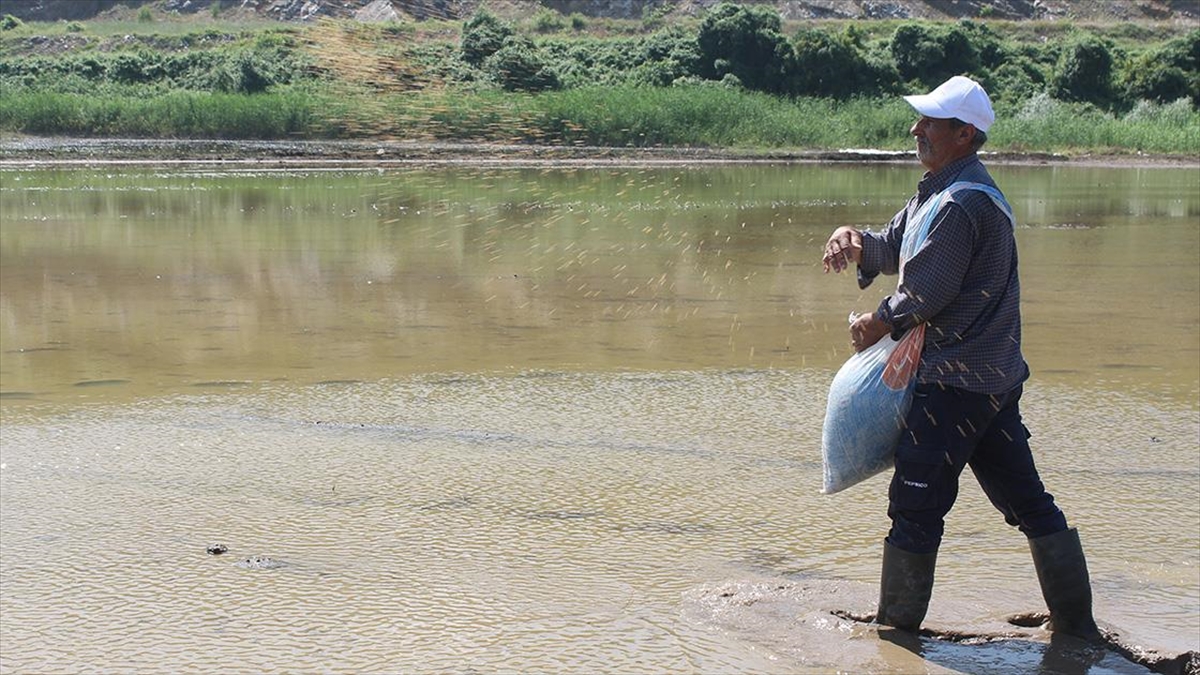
(621, 116)
(207, 78)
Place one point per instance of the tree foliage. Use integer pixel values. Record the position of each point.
(733, 46)
(1085, 71)
(483, 35)
(746, 42)
(1166, 74)
(668, 55)
(240, 70)
(519, 66)
(834, 65)
(931, 53)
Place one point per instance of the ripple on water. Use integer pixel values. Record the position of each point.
(100, 383)
(549, 521)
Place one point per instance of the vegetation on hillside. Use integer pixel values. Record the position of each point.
(737, 77)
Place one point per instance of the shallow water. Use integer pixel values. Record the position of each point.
(521, 419)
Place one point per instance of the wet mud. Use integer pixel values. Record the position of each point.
(823, 624)
(24, 151)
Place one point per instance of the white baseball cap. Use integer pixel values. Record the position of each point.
(958, 97)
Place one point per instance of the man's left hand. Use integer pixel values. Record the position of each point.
(866, 330)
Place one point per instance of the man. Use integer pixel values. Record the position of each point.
(962, 283)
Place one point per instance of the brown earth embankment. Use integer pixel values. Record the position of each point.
(1137, 11)
(35, 151)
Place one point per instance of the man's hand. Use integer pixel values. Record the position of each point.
(866, 330)
(844, 247)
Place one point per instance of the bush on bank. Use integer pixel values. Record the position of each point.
(732, 79)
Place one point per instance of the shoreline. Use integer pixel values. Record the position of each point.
(74, 152)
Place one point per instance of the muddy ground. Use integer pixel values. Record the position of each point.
(78, 151)
(802, 620)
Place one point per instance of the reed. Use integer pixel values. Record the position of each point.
(179, 114)
(699, 115)
(718, 117)
(1045, 124)
(707, 116)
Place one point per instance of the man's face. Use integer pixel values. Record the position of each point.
(940, 141)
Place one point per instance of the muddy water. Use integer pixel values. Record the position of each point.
(544, 419)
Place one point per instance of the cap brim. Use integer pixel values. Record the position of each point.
(927, 106)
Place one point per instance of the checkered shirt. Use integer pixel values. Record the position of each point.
(962, 283)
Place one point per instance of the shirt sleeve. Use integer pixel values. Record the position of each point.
(881, 250)
(934, 274)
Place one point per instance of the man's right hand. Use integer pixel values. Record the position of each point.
(844, 247)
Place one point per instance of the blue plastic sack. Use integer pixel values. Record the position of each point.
(864, 416)
(872, 392)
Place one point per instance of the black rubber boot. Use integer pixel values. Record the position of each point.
(1063, 574)
(905, 587)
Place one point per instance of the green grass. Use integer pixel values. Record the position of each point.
(287, 114)
(708, 116)
(684, 116)
(711, 116)
(1044, 124)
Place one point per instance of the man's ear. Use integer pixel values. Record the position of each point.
(966, 134)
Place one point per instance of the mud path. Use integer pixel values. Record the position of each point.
(814, 623)
(32, 151)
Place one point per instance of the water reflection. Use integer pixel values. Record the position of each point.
(169, 279)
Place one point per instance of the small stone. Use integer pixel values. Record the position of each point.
(217, 549)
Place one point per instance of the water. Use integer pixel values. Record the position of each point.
(543, 419)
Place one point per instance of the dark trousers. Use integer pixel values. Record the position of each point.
(948, 429)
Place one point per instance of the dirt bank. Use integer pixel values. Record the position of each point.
(1184, 11)
(33, 151)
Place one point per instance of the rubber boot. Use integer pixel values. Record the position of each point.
(904, 587)
(1063, 575)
